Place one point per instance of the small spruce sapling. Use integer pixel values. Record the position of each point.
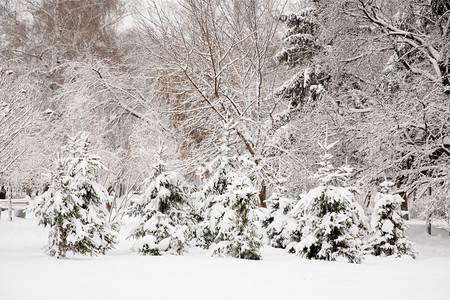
(281, 227)
(387, 225)
(228, 206)
(165, 224)
(74, 206)
(330, 221)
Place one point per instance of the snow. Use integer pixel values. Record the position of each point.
(27, 273)
(388, 226)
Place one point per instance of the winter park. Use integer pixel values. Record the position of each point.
(224, 149)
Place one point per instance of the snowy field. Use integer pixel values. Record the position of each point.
(27, 273)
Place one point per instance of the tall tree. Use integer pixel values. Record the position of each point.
(19, 110)
(218, 56)
(292, 133)
(52, 32)
(72, 52)
(301, 46)
(419, 36)
(386, 94)
(417, 77)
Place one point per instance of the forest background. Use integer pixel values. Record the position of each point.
(373, 75)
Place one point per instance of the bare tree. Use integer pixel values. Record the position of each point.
(18, 110)
(66, 51)
(387, 91)
(420, 37)
(216, 64)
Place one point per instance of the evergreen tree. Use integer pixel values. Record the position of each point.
(228, 205)
(281, 227)
(74, 206)
(387, 225)
(165, 224)
(301, 37)
(331, 223)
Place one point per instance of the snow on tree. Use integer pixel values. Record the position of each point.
(331, 223)
(437, 211)
(387, 225)
(434, 198)
(74, 206)
(228, 206)
(281, 227)
(408, 115)
(306, 85)
(240, 56)
(19, 110)
(166, 224)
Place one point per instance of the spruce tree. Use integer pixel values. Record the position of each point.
(165, 224)
(302, 45)
(281, 227)
(331, 223)
(74, 206)
(227, 205)
(387, 225)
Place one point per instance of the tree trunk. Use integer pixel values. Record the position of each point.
(429, 216)
(404, 206)
(443, 67)
(262, 194)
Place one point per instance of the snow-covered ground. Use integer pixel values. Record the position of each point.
(27, 273)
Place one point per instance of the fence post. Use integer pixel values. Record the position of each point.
(10, 203)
